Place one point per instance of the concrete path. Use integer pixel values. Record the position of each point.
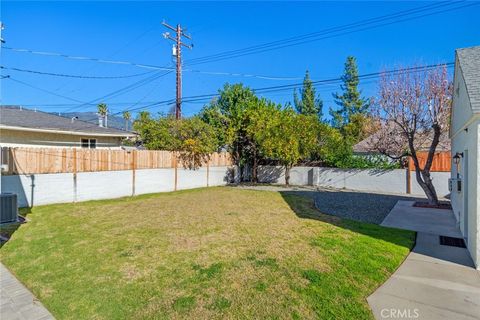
(16, 302)
(435, 281)
(434, 221)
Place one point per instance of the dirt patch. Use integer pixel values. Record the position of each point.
(441, 205)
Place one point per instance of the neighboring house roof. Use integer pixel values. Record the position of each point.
(469, 61)
(114, 122)
(19, 118)
(367, 144)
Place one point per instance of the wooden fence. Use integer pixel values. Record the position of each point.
(442, 161)
(63, 160)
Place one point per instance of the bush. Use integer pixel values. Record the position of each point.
(367, 162)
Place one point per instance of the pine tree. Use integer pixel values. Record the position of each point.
(309, 103)
(353, 108)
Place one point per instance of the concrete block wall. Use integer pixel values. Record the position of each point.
(154, 180)
(374, 180)
(41, 189)
(103, 185)
(440, 181)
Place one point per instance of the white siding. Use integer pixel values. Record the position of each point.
(465, 131)
(15, 138)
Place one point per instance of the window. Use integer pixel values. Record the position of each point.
(84, 143)
(89, 143)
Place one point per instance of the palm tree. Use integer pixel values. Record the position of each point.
(103, 112)
(127, 116)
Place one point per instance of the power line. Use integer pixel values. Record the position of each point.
(92, 102)
(44, 90)
(63, 105)
(313, 34)
(75, 76)
(64, 84)
(124, 90)
(82, 58)
(121, 91)
(246, 75)
(276, 44)
(296, 85)
(364, 76)
(206, 97)
(327, 34)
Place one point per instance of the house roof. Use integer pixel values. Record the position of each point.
(19, 118)
(367, 145)
(469, 61)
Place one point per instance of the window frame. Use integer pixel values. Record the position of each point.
(88, 143)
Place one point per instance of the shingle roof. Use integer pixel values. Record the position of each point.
(469, 60)
(367, 145)
(19, 117)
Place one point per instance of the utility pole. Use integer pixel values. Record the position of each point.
(177, 52)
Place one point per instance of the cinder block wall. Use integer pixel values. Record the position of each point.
(40, 189)
(374, 180)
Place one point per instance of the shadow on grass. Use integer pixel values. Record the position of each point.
(303, 204)
(8, 229)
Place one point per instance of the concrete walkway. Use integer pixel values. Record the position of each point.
(435, 281)
(17, 302)
(434, 221)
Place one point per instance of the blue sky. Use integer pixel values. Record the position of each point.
(132, 31)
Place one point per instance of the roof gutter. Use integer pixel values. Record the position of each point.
(75, 133)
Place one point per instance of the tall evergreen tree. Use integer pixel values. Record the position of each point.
(309, 103)
(351, 117)
(350, 101)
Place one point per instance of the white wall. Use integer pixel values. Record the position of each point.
(154, 180)
(217, 176)
(465, 136)
(189, 179)
(103, 185)
(467, 142)
(375, 180)
(440, 182)
(40, 189)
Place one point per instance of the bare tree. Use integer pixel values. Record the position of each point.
(413, 109)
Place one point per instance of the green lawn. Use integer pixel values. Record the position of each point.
(204, 253)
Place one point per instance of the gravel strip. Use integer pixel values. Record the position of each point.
(356, 205)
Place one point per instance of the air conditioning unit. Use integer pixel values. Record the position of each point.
(8, 208)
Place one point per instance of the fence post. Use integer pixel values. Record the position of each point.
(409, 177)
(208, 171)
(1, 167)
(74, 174)
(134, 164)
(175, 167)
